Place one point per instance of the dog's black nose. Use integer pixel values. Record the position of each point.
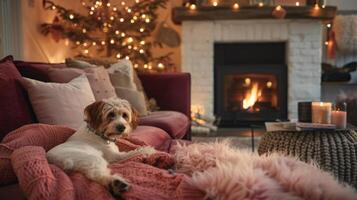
(120, 127)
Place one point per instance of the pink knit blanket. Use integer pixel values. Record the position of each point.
(24, 156)
(204, 171)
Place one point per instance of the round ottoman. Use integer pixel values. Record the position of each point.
(333, 150)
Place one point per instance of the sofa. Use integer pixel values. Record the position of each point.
(160, 129)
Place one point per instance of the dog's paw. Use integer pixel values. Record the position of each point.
(118, 186)
(147, 150)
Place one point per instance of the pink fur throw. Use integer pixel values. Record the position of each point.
(221, 172)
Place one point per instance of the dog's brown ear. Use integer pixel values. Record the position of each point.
(93, 114)
(134, 118)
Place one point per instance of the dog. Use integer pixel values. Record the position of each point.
(90, 149)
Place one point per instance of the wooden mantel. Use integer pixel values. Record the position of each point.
(180, 14)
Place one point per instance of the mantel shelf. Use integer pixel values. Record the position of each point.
(252, 12)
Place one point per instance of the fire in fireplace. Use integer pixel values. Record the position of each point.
(250, 83)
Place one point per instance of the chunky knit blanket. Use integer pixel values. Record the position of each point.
(204, 171)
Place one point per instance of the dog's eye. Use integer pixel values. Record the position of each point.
(125, 116)
(111, 115)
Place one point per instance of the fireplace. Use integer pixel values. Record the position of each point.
(250, 82)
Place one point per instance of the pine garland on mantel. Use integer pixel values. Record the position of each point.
(108, 30)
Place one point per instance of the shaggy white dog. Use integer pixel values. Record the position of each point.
(92, 147)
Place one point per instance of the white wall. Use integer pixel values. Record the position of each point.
(343, 4)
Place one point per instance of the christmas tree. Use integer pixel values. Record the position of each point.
(109, 30)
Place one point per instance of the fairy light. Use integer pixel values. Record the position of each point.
(130, 40)
(141, 29)
(111, 18)
(141, 51)
(150, 67)
(323, 6)
(136, 65)
(94, 43)
(85, 44)
(135, 18)
(297, 3)
(108, 4)
(85, 51)
(118, 55)
(215, 3)
(84, 30)
(193, 7)
(92, 8)
(146, 66)
(117, 32)
(112, 41)
(328, 25)
(147, 20)
(142, 42)
(130, 47)
(236, 6)
(316, 7)
(78, 42)
(53, 7)
(327, 43)
(103, 42)
(161, 66)
(123, 3)
(261, 4)
(115, 9)
(135, 48)
(71, 16)
(127, 57)
(91, 12)
(143, 16)
(128, 10)
(121, 19)
(278, 7)
(132, 21)
(122, 34)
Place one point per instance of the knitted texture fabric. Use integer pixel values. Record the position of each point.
(333, 151)
(24, 151)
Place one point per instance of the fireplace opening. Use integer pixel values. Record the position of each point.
(250, 83)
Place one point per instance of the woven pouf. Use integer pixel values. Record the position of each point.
(334, 151)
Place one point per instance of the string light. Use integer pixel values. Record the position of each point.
(261, 4)
(328, 25)
(103, 42)
(147, 20)
(141, 29)
(127, 57)
(128, 10)
(323, 6)
(122, 34)
(142, 42)
(121, 19)
(143, 16)
(115, 9)
(118, 55)
(91, 12)
(94, 43)
(71, 16)
(53, 7)
(86, 51)
(135, 18)
(108, 4)
(136, 65)
(297, 3)
(160, 66)
(84, 30)
(111, 18)
(316, 7)
(141, 51)
(327, 43)
(130, 47)
(278, 7)
(132, 21)
(117, 32)
(85, 44)
(130, 40)
(236, 6)
(92, 8)
(112, 41)
(123, 3)
(193, 7)
(146, 66)
(78, 42)
(66, 42)
(215, 3)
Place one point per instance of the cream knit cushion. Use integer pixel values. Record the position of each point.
(60, 103)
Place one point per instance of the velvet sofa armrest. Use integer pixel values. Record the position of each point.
(172, 91)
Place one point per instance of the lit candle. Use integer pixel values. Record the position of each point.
(321, 112)
(339, 116)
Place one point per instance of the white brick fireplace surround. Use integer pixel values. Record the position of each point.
(303, 43)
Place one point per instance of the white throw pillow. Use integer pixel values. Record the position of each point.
(60, 103)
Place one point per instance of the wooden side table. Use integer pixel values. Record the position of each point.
(333, 150)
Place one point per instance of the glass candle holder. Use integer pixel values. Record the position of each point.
(339, 115)
(321, 112)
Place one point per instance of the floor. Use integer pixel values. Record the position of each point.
(239, 137)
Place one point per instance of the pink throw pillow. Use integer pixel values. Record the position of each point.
(98, 78)
(46, 136)
(60, 103)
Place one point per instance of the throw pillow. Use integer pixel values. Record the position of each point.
(60, 103)
(98, 79)
(122, 76)
(136, 99)
(15, 110)
(74, 63)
